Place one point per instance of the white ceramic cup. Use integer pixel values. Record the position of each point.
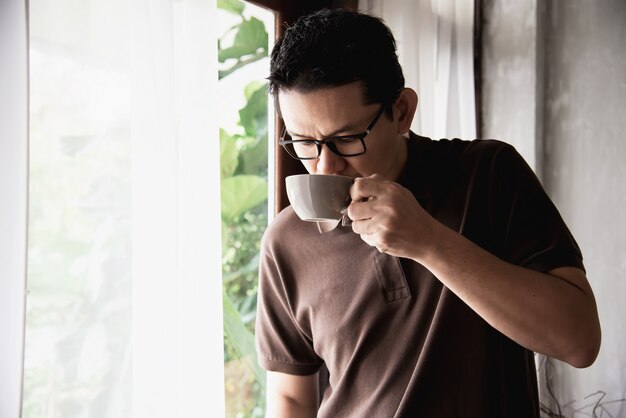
(318, 197)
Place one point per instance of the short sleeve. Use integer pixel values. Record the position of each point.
(535, 235)
(281, 343)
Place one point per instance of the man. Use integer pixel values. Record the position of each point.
(455, 269)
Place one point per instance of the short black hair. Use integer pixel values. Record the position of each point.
(331, 48)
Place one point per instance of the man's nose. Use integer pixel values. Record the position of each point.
(329, 162)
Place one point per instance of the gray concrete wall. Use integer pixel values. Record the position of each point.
(585, 153)
(512, 111)
(579, 48)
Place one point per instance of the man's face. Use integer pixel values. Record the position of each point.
(340, 111)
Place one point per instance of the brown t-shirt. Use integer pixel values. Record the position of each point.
(395, 341)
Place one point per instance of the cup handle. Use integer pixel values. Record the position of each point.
(345, 220)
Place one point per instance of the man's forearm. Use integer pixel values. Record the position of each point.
(552, 315)
(292, 395)
(284, 407)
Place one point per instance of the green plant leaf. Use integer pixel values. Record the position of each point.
(251, 87)
(229, 154)
(231, 6)
(232, 52)
(253, 115)
(253, 157)
(242, 63)
(241, 339)
(250, 38)
(250, 267)
(252, 34)
(241, 193)
(225, 236)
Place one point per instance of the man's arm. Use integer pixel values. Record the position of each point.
(291, 396)
(551, 313)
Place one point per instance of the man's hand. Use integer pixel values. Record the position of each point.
(387, 216)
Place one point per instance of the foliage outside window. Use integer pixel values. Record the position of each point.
(244, 191)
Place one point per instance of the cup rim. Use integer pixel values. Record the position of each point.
(320, 175)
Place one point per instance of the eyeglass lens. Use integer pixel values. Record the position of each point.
(343, 147)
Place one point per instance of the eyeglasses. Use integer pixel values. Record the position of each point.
(344, 146)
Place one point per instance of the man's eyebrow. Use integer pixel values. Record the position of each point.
(350, 128)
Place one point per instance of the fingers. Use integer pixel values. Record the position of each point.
(385, 215)
(367, 187)
(360, 210)
(374, 240)
(366, 194)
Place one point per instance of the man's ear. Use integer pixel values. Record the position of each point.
(404, 109)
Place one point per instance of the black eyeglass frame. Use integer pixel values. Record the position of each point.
(329, 141)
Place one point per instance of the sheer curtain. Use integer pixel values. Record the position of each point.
(13, 199)
(176, 267)
(124, 308)
(435, 47)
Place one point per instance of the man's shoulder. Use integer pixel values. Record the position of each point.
(458, 152)
(471, 148)
(282, 223)
(286, 229)
(459, 147)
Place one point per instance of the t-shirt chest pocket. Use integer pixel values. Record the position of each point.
(352, 303)
(391, 277)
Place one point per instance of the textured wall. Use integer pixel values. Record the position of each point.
(512, 111)
(585, 151)
(555, 87)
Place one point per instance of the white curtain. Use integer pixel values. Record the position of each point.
(113, 84)
(177, 310)
(13, 199)
(435, 47)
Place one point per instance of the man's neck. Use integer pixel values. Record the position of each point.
(401, 158)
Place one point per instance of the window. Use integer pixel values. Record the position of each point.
(79, 306)
(124, 314)
(244, 125)
(124, 266)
